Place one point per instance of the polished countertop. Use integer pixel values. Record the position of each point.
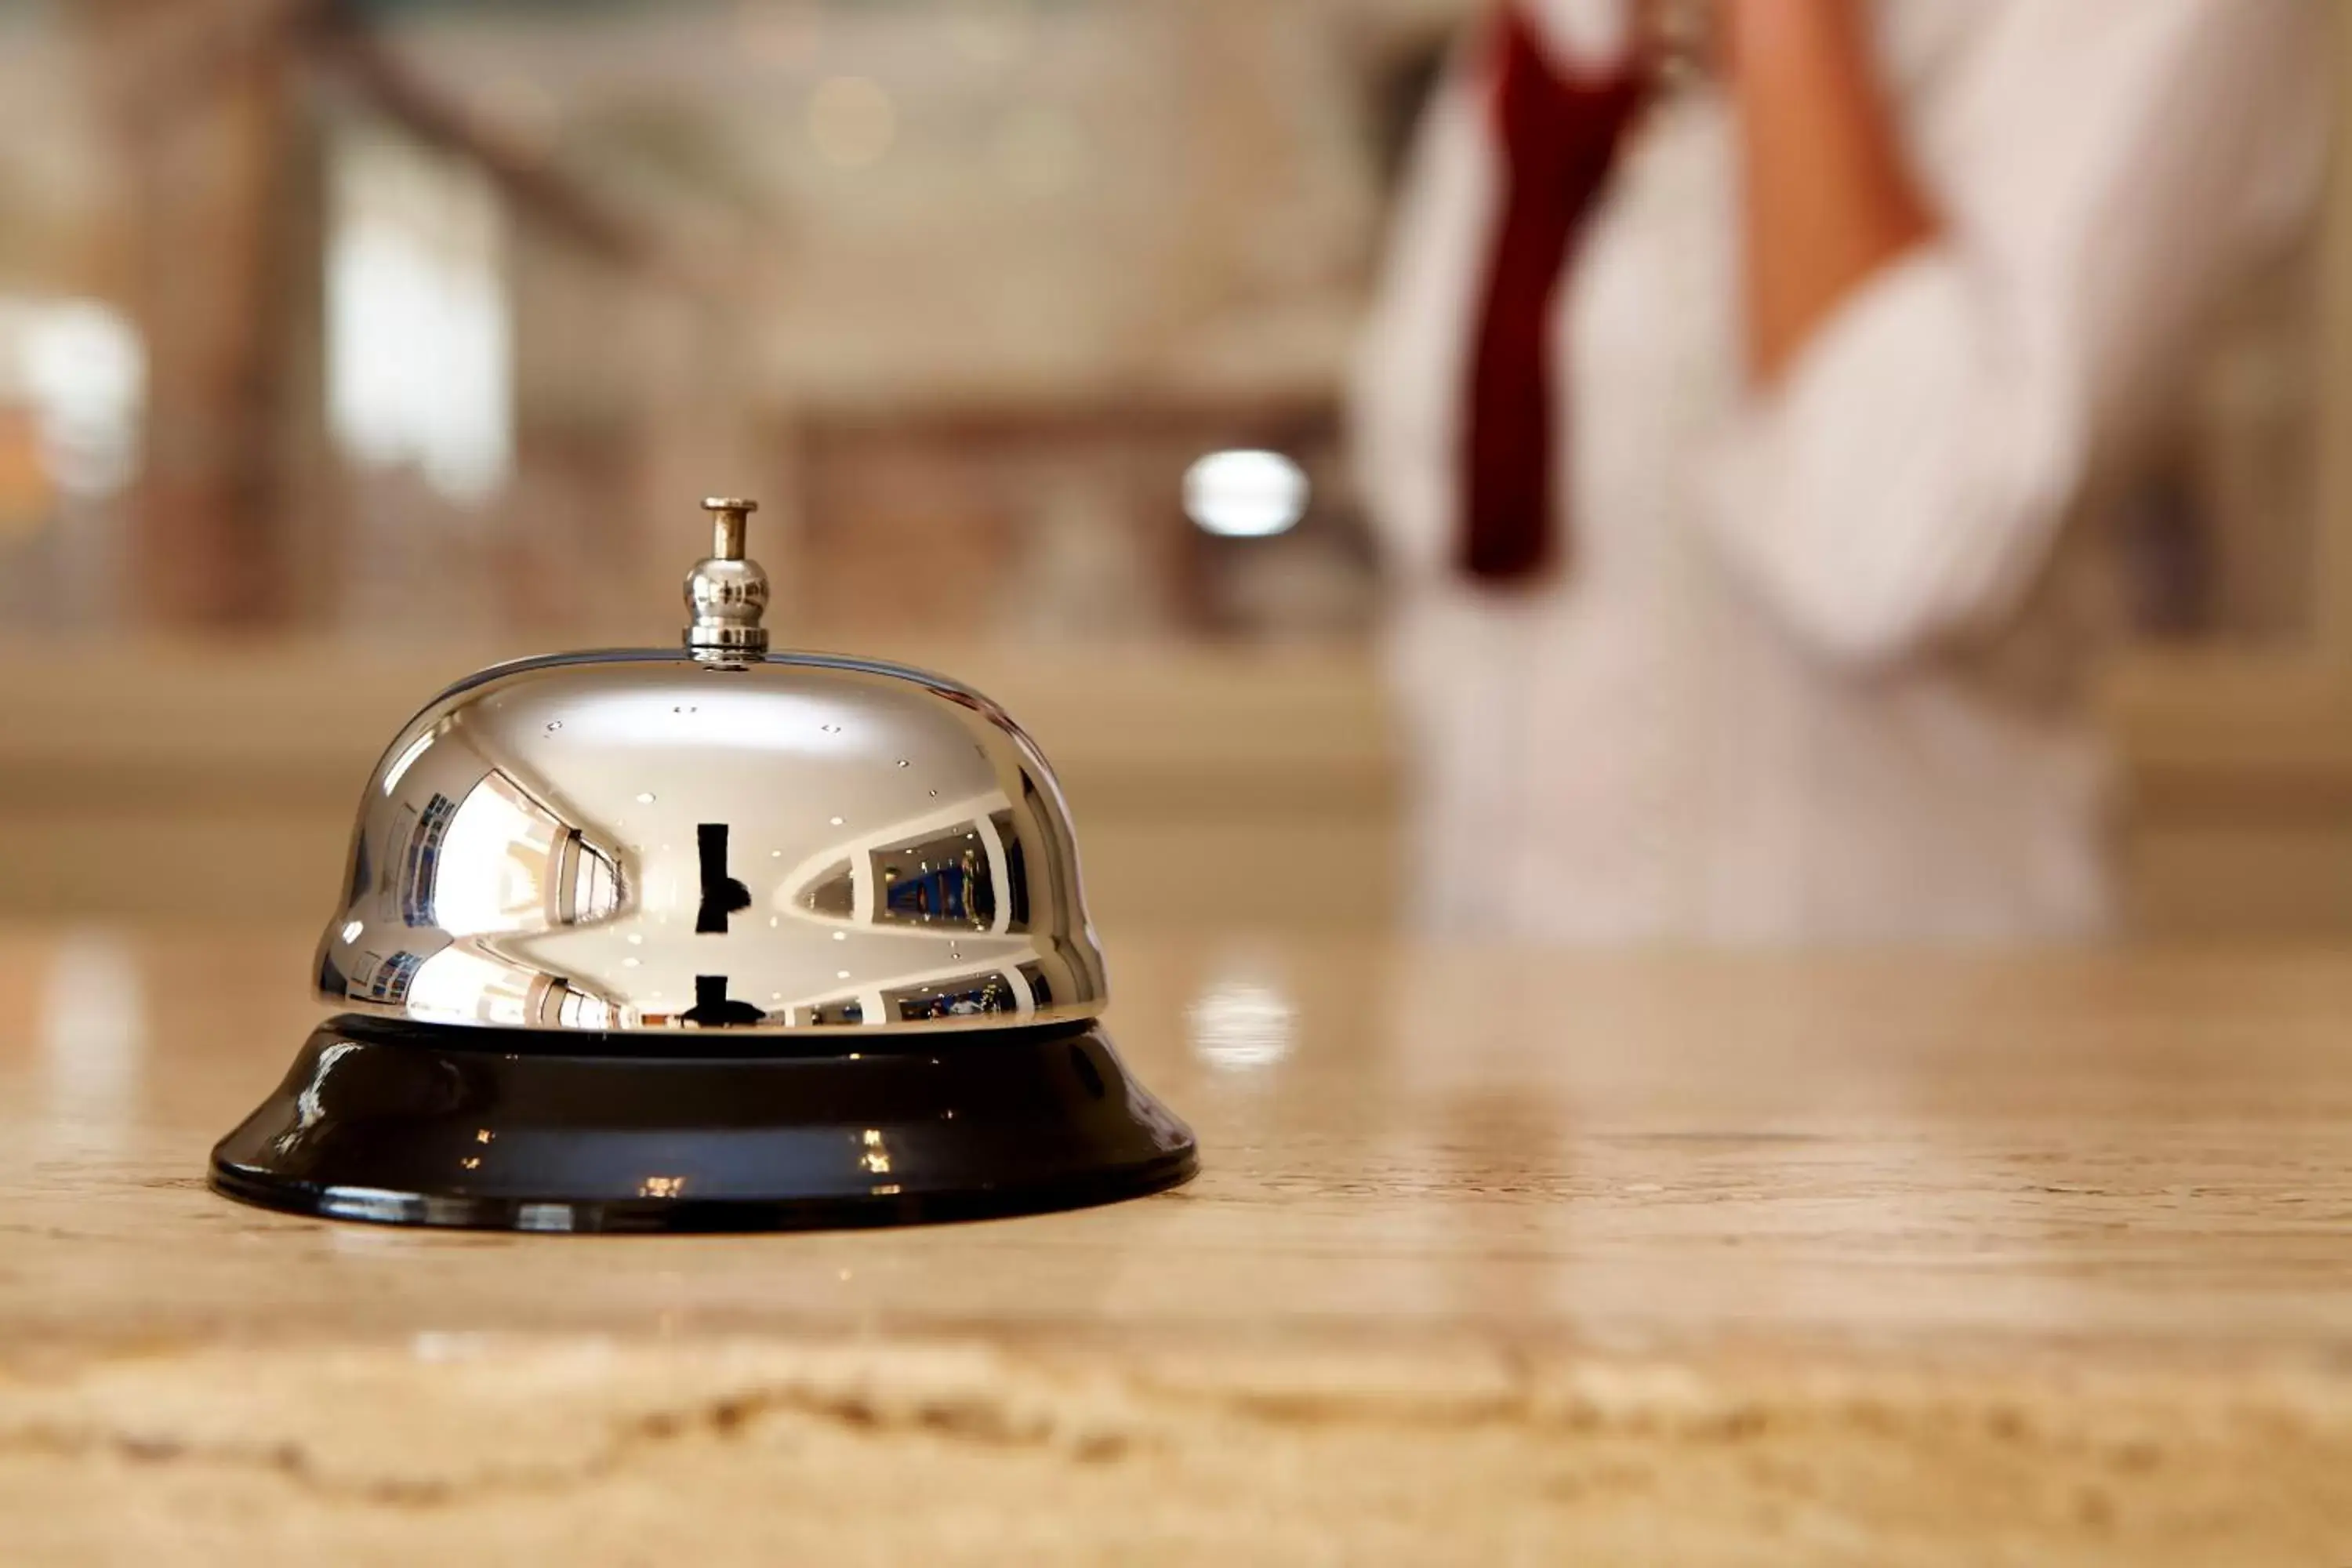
(1497, 1256)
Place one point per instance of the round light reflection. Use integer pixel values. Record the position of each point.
(1245, 495)
(1240, 1026)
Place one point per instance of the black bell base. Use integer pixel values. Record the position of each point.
(490, 1129)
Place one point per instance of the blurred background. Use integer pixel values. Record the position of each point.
(346, 347)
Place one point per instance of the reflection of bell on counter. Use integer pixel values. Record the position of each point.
(716, 939)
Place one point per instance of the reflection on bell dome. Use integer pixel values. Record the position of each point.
(997, 996)
(944, 880)
(959, 867)
(834, 891)
(502, 866)
(458, 985)
(459, 982)
(649, 841)
(468, 848)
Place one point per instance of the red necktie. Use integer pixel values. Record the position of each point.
(1560, 130)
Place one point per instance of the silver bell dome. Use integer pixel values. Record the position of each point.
(715, 837)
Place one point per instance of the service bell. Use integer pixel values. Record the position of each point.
(714, 938)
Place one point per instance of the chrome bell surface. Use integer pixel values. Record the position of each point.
(711, 939)
(718, 837)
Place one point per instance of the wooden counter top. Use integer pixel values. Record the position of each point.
(1495, 1258)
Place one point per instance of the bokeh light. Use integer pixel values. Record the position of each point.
(1245, 495)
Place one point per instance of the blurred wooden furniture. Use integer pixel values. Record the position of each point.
(1495, 1258)
(2238, 793)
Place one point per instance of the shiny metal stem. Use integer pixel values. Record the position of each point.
(729, 519)
(728, 593)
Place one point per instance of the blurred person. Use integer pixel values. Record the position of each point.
(1727, 417)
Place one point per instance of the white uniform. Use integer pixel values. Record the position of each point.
(1814, 670)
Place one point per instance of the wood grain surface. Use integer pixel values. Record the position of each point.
(1496, 1257)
